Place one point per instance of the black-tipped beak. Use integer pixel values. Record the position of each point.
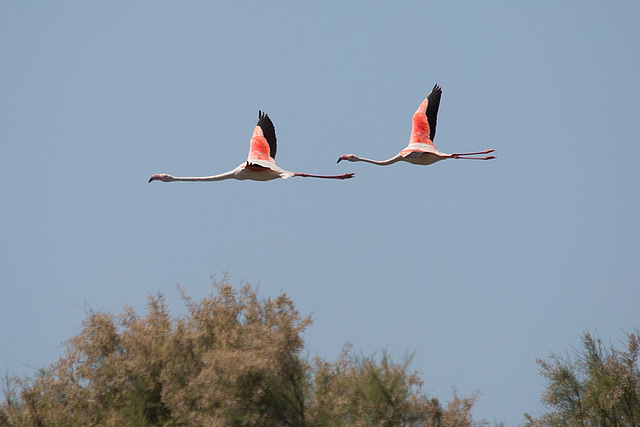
(339, 158)
(150, 179)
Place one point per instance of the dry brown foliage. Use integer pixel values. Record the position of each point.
(232, 359)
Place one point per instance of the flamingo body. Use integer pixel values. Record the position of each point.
(260, 164)
(421, 150)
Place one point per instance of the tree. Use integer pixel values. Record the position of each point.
(232, 359)
(600, 387)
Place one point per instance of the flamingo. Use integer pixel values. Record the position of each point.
(260, 164)
(421, 150)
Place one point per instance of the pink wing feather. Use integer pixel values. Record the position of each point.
(259, 147)
(420, 130)
(263, 141)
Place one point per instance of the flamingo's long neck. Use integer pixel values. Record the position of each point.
(220, 177)
(379, 162)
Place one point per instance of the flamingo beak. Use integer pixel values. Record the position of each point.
(339, 158)
(150, 179)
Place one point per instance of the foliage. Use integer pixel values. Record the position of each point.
(232, 359)
(601, 387)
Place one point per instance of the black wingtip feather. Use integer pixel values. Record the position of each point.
(432, 109)
(269, 132)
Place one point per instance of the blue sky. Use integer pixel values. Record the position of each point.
(478, 267)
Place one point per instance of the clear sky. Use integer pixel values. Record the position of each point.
(478, 267)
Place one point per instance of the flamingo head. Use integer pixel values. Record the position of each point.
(161, 177)
(349, 157)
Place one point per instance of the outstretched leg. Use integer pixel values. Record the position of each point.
(464, 155)
(473, 154)
(343, 176)
(457, 156)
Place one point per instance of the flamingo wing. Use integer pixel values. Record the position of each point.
(424, 119)
(424, 126)
(263, 141)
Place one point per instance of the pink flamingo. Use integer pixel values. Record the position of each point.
(421, 150)
(260, 165)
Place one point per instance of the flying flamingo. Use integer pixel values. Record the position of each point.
(421, 150)
(260, 165)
